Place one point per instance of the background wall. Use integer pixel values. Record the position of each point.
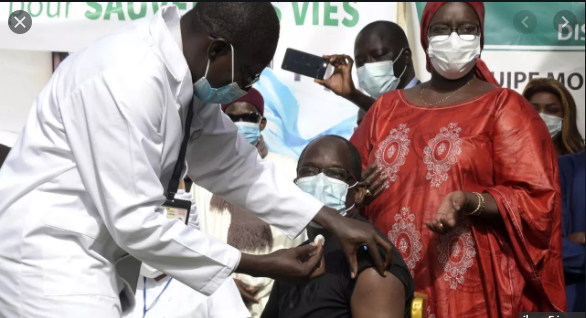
(23, 74)
(298, 110)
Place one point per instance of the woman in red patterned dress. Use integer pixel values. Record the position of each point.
(473, 198)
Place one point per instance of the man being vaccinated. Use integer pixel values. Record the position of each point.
(329, 170)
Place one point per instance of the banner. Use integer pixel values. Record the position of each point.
(297, 109)
(549, 47)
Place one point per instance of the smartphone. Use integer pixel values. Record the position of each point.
(305, 64)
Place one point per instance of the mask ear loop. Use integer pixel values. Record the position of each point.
(348, 209)
(232, 49)
(405, 69)
(398, 56)
(353, 205)
(207, 68)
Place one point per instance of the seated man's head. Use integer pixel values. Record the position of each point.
(383, 58)
(329, 168)
(247, 114)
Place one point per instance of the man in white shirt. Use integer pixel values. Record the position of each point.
(86, 179)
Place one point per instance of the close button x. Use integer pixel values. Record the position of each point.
(19, 22)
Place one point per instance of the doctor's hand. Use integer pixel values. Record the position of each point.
(353, 235)
(294, 266)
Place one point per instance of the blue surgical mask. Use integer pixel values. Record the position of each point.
(331, 192)
(378, 78)
(223, 95)
(250, 131)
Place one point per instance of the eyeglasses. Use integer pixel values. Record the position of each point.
(442, 32)
(336, 173)
(249, 118)
(246, 77)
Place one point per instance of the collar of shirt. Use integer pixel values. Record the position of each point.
(166, 33)
(413, 82)
(175, 29)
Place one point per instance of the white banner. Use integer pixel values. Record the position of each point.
(297, 109)
(71, 26)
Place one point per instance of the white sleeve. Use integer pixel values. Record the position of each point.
(223, 162)
(112, 123)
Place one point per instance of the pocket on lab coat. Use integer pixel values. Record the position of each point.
(71, 263)
(80, 223)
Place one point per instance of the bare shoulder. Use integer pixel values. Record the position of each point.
(375, 296)
(370, 277)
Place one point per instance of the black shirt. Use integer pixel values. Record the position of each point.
(4, 150)
(329, 295)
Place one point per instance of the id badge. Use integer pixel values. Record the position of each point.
(177, 209)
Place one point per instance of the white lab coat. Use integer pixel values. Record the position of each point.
(84, 181)
(180, 301)
(168, 298)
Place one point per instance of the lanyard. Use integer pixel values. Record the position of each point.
(180, 164)
(144, 308)
(175, 178)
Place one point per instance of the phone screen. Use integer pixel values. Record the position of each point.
(304, 63)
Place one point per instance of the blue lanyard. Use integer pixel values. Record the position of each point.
(144, 308)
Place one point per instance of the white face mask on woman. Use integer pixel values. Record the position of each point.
(453, 57)
(554, 123)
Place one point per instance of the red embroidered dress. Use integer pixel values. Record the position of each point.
(497, 144)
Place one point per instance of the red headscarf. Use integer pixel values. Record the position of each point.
(253, 97)
(429, 11)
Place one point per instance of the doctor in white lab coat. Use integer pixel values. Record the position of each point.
(84, 182)
(160, 296)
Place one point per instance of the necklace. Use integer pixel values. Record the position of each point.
(445, 98)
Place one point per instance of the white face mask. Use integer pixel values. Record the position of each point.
(331, 192)
(453, 57)
(554, 123)
(378, 78)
